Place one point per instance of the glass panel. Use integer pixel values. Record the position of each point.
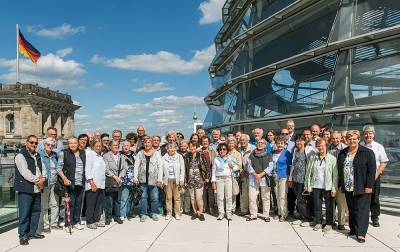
(8, 205)
(357, 17)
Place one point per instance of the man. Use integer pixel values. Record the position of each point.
(237, 135)
(289, 144)
(315, 131)
(105, 139)
(381, 163)
(117, 135)
(51, 132)
(141, 134)
(29, 182)
(245, 149)
(156, 143)
(340, 200)
(307, 134)
(290, 126)
(171, 138)
(259, 165)
(215, 137)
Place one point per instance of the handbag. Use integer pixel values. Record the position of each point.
(270, 181)
(111, 184)
(303, 203)
(235, 186)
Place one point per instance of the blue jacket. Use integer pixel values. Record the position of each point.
(46, 162)
(282, 166)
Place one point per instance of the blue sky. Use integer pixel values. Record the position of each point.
(125, 62)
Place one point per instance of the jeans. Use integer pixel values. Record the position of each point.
(318, 195)
(94, 205)
(29, 213)
(76, 196)
(161, 201)
(146, 190)
(126, 202)
(358, 212)
(49, 201)
(113, 201)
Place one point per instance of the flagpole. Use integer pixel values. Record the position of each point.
(17, 63)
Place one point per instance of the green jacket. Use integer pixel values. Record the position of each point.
(331, 172)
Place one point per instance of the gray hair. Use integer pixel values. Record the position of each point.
(232, 139)
(49, 139)
(369, 128)
(172, 145)
(113, 142)
(254, 130)
(246, 136)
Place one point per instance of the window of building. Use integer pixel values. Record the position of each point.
(10, 125)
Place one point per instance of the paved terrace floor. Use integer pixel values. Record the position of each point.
(211, 235)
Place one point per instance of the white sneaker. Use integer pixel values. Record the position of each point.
(305, 224)
(177, 217)
(167, 217)
(297, 222)
(67, 229)
(122, 218)
(327, 228)
(79, 227)
(317, 227)
(220, 216)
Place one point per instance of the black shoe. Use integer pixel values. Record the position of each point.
(108, 222)
(24, 241)
(194, 216)
(201, 217)
(46, 230)
(375, 223)
(119, 221)
(251, 218)
(360, 240)
(341, 227)
(351, 233)
(36, 236)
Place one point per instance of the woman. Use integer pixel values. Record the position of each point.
(271, 140)
(233, 152)
(132, 139)
(148, 174)
(223, 167)
(95, 173)
(195, 139)
(357, 167)
(209, 155)
(49, 200)
(327, 136)
(282, 161)
(298, 172)
(183, 148)
(196, 175)
(71, 169)
(116, 167)
(127, 183)
(322, 180)
(174, 179)
(83, 141)
(185, 195)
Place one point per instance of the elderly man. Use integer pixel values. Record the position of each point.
(141, 134)
(334, 148)
(29, 182)
(381, 162)
(290, 127)
(51, 132)
(289, 144)
(315, 131)
(245, 149)
(216, 134)
(156, 140)
(171, 138)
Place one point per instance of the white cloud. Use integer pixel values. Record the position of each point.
(76, 102)
(152, 88)
(99, 85)
(56, 32)
(160, 62)
(64, 52)
(173, 101)
(50, 71)
(163, 112)
(211, 11)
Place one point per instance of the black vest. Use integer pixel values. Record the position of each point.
(20, 183)
(70, 165)
(259, 164)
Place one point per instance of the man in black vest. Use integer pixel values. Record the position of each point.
(29, 182)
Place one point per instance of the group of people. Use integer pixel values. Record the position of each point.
(102, 179)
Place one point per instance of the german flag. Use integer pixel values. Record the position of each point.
(27, 49)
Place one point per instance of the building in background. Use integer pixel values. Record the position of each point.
(27, 109)
(331, 62)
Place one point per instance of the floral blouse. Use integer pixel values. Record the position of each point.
(348, 171)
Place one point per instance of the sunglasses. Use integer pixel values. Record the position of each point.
(284, 134)
(50, 145)
(223, 149)
(34, 143)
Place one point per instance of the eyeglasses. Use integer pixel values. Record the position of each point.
(50, 145)
(34, 143)
(223, 149)
(352, 140)
(284, 134)
(260, 142)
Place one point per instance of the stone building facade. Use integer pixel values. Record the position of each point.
(30, 109)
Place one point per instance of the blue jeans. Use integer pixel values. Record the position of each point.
(153, 191)
(126, 201)
(29, 213)
(76, 195)
(161, 200)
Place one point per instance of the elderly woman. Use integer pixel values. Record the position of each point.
(322, 179)
(49, 200)
(71, 168)
(232, 150)
(185, 195)
(127, 183)
(357, 168)
(208, 154)
(95, 173)
(223, 167)
(282, 159)
(174, 179)
(196, 175)
(148, 174)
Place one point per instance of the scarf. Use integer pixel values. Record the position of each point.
(260, 160)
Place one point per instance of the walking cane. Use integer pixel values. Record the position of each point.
(68, 212)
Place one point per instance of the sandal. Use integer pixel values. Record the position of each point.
(267, 219)
(251, 218)
(361, 239)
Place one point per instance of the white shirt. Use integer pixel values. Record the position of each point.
(319, 181)
(221, 168)
(95, 169)
(379, 151)
(252, 179)
(23, 169)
